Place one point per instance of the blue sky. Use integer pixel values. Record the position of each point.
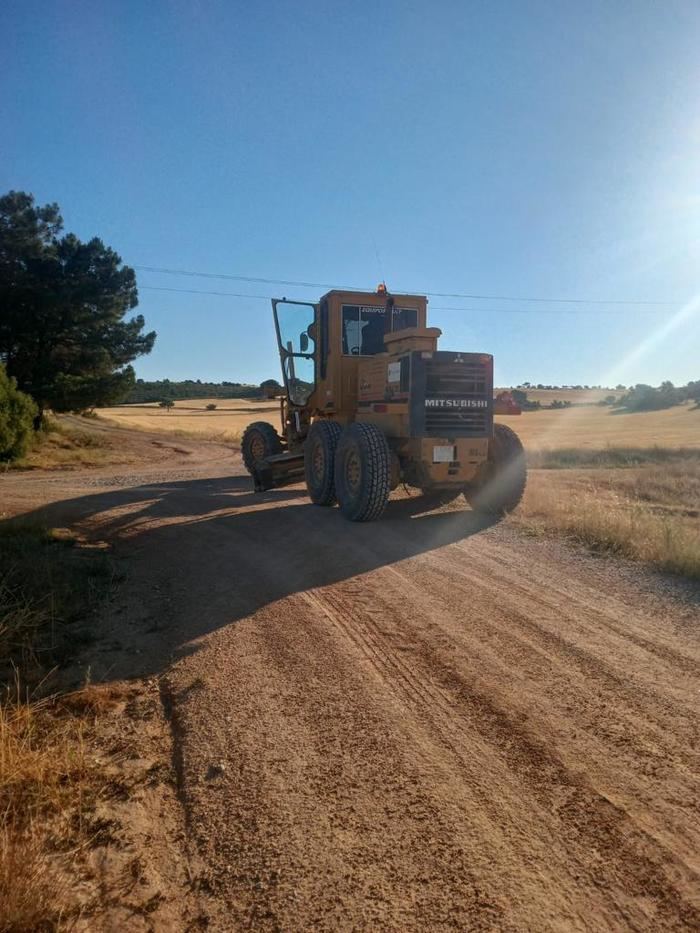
(518, 149)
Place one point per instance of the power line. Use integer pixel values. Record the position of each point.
(471, 297)
(196, 291)
(247, 278)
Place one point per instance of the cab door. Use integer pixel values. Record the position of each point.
(297, 326)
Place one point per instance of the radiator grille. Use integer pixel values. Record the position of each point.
(445, 379)
(447, 423)
(456, 380)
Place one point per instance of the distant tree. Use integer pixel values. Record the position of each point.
(144, 392)
(692, 390)
(167, 403)
(211, 406)
(670, 395)
(63, 336)
(270, 387)
(17, 413)
(642, 397)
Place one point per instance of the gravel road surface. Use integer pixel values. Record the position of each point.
(424, 723)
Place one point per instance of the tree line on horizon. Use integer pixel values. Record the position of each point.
(161, 390)
(640, 397)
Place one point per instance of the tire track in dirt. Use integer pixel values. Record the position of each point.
(656, 759)
(364, 778)
(674, 824)
(527, 612)
(586, 816)
(616, 613)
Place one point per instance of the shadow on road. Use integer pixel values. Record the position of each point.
(203, 554)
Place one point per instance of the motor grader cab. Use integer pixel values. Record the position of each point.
(370, 403)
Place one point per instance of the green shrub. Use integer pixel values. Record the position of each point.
(17, 413)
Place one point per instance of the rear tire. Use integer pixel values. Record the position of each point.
(362, 472)
(319, 461)
(503, 484)
(259, 441)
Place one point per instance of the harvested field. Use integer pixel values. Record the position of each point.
(589, 426)
(190, 416)
(595, 426)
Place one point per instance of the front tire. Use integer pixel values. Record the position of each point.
(259, 441)
(362, 472)
(319, 461)
(503, 484)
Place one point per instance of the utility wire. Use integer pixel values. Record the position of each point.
(196, 291)
(472, 297)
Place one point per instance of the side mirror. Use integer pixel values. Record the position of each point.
(304, 341)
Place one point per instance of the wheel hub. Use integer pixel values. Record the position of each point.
(318, 460)
(257, 447)
(353, 471)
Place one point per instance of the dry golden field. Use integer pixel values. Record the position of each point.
(589, 426)
(189, 416)
(594, 426)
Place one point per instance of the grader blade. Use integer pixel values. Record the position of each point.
(279, 470)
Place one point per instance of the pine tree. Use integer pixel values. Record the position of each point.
(63, 336)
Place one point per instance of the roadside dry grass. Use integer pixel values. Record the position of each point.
(649, 512)
(609, 457)
(62, 447)
(50, 781)
(50, 589)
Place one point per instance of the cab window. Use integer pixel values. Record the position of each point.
(364, 327)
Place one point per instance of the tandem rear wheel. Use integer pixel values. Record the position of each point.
(350, 465)
(362, 472)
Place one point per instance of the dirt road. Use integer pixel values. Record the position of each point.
(423, 723)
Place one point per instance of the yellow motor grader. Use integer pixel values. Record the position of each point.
(370, 403)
